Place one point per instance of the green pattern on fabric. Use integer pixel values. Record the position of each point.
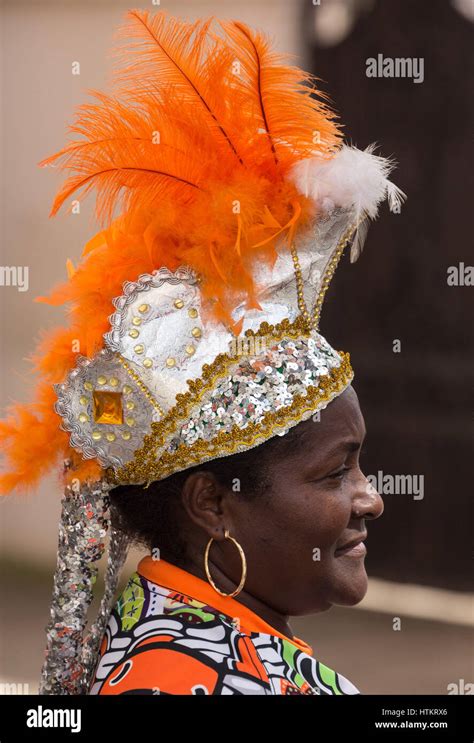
(204, 616)
(329, 677)
(289, 651)
(192, 606)
(130, 604)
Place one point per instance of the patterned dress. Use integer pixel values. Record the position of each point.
(171, 633)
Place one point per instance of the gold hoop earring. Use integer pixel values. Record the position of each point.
(244, 566)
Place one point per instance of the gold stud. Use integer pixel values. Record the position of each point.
(113, 381)
(192, 312)
(126, 435)
(144, 308)
(130, 405)
(140, 348)
(190, 350)
(170, 361)
(126, 389)
(148, 363)
(110, 436)
(101, 379)
(179, 304)
(137, 321)
(83, 400)
(130, 421)
(133, 333)
(196, 332)
(96, 435)
(83, 417)
(88, 386)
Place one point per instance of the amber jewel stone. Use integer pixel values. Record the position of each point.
(108, 407)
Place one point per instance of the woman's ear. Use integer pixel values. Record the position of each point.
(202, 497)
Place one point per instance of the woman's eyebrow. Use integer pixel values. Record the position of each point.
(324, 458)
(349, 445)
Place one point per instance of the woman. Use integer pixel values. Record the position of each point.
(208, 411)
(298, 513)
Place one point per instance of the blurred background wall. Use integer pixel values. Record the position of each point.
(418, 399)
(415, 401)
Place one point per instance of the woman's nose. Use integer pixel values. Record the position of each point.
(367, 502)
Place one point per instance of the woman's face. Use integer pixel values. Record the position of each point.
(297, 541)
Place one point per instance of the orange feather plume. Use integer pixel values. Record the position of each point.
(187, 155)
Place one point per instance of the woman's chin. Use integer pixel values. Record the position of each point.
(352, 589)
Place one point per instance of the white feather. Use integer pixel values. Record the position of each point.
(352, 177)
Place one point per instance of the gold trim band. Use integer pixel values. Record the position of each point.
(151, 464)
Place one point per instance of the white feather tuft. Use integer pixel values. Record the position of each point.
(352, 177)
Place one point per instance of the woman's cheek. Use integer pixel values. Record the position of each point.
(332, 517)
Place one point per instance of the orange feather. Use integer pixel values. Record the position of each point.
(286, 105)
(188, 156)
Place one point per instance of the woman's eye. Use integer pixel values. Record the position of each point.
(339, 474)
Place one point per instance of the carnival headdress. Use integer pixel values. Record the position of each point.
(226, 198)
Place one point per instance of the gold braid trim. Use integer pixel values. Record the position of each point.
(347, 235)
(163, 429)
(148, 465)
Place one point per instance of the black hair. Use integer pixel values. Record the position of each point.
(150, 516)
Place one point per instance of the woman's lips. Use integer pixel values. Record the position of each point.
(356, 550)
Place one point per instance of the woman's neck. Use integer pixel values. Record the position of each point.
(263, 610)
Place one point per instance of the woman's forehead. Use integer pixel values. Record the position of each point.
(341, 423)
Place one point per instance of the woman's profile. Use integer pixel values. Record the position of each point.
(195, 406)
(298, 506)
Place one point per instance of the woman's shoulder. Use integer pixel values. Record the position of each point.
(158, 641)
(287, 662)
(161, 642)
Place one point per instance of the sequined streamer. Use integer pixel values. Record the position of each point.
(82, 530)
(118, 549)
